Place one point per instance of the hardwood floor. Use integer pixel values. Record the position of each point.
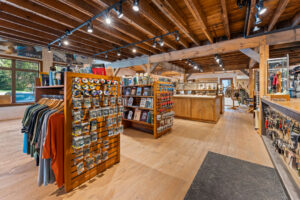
(150, 168)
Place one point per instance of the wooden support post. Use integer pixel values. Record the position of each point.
(251, 83)
(264, 56)
(148, 68)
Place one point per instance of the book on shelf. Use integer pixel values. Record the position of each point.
(139, 91)
(130, 113)
(130, 101)
(143, 103)
(137, 114)
(144, 116)
(133, 91)
(128, 91)
(125, 101)
(149, 117)
(147, 91)
(149, 103)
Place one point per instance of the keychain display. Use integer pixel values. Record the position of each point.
(94, 105)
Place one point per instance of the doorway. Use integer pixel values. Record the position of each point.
(227, 82)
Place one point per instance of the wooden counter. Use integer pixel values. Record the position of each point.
(197, 108)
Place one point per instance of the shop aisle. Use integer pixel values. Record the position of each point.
(150, 168)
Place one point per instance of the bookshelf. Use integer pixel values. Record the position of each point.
(154, 107)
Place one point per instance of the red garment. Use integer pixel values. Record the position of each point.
(266, 123)
(54, 146)
(275, 80)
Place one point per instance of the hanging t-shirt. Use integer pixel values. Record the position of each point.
(54, 146)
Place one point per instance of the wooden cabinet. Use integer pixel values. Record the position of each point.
(207, 109)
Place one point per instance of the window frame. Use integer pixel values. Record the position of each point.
(14, 70)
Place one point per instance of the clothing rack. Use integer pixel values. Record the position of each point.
(52, 96)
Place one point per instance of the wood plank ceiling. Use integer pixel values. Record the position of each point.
(198, 22)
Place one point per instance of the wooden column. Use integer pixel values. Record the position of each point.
(264, 56)
(251, 83)
(148, 67)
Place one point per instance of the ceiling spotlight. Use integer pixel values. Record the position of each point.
(195, 67)
(257, 19)
(161, 42)
(135, 5)
(108, 19)
(223, 69)
(260, 7)
(256, 28)
(134, 50)
(106, 56)
(49, 49)
(154, 44)
(120, 11)
(66, 41)
(190, 64)
(119, 53)
(59, 43)
(177, 36)
(89, 27)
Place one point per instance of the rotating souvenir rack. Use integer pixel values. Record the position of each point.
(149, 107)
(93, 123)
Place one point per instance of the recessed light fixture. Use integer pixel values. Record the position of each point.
(89, 27)
(135, 5)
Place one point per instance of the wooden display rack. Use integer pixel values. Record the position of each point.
(144, 126)
(71, 179)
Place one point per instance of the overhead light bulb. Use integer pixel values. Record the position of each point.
(190, 64)
(154, 44)
(134, 50)
(49, 49)
(120, 11)
(195, 66)
(119, 53)
(135, 5)
(89, 27)
(223, 69)
(106, 56)
(161, 42)
(262, 11)
(257, 19)
(177, 37)
(107, 19)
(256, 28)
(66, 41)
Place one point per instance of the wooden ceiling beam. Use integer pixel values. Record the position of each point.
(136, 21)
(56, 8)
(22, 25)
(198, 14)
(175, 17)
(90, 11)
(56, 17)
(251, 16)
(296, 20)
(279, 10)
(228, 46)
(160, 21)
(29, 19)
(225, 18)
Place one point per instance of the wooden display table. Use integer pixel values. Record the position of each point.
(199, 108)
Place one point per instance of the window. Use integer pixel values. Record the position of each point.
(17, 78)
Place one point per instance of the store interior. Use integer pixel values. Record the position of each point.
(150, 99)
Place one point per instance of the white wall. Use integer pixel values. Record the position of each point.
(12, 112)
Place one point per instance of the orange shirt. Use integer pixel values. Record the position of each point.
(54, 146)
